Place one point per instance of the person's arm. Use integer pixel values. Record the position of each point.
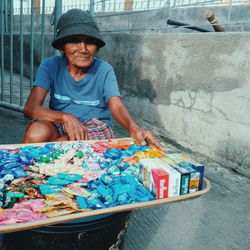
(122, 116)
(33, 109)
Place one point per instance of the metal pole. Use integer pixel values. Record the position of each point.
(11, 51)
(57, 13)
(31, 42)
(169, 9)
(21, 53)
(91, 7)
(42, 30)
(11, 106)
(6, 15)
(103, 5)
(2, 50)
(230, 10)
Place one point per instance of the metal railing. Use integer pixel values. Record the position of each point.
(15, 82)
(117, 5)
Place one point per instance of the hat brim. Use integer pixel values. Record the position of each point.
(87, 30)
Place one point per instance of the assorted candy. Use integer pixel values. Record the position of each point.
(39, 182)
(60, 178)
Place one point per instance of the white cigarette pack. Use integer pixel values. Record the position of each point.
(174, 176)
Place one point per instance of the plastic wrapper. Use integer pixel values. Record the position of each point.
(22, 212)
(49, 189)
(54, 213)
(76, 191)
(82, 202)
(95, 203)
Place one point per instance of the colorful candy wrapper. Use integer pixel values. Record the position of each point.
(70, 177)
(59, 212)
(82, 202)
(22, 212)
(58, 200)
(104, 191)
(49, 189)
(95, 204)
(106, 179)
(76, 191)
(57, 181)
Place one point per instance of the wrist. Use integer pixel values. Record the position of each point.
(133, 128)
(64, 117)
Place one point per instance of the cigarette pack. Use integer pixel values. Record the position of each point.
(155, 179)
(194, 164)
(161, 182)
(194, 177)
(174, 176)
(185, 175)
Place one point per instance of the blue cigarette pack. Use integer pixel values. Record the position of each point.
(185, 175)
(194, 164)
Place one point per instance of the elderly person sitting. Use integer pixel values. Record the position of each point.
(83, 89)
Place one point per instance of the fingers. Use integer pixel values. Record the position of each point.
(145, 137)
(84, 133)
(69, 132)
(77, 134)
(74, 129)
(141, 137)
(153, 142)
(80, 132)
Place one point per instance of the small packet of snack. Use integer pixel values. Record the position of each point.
(57, 181)
(45, 209)
(76, 191)
(15, 194)
(70, 177)
(82, 202)
(31, 168)
(58, 200)
(33, 193)
(54, 213)
(58, 194)
(49, 189)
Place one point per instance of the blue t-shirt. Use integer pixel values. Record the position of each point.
(85, 99)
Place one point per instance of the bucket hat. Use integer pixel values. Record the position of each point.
(76, 22)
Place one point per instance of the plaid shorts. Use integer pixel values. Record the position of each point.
(97, 130)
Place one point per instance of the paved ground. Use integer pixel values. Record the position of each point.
(218, 220)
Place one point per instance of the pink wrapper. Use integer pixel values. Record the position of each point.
(30, 204)
(99, 147)
(23, 212)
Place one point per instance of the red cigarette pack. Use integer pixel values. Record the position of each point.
(161, 182)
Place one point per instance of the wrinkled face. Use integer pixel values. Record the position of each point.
(80, 51)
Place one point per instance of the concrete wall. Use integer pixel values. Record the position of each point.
(192, 88)
(155, 20)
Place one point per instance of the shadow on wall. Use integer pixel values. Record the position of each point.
(138, 92)
(142, 79)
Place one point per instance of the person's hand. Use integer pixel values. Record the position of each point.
(74, 128)
(144, 137)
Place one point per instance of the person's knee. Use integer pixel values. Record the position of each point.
(39, 131)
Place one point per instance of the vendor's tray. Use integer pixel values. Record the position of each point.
(97, 212)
